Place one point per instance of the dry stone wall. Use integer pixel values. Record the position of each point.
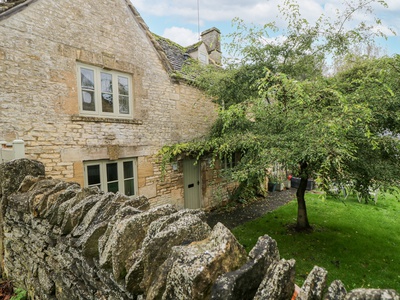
(62, 241)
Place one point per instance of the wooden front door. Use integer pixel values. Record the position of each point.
(191, 180)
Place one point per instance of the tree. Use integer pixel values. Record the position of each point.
(276, 106)
(374, 83)
(357, 54)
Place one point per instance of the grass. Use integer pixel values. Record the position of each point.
(355, 242)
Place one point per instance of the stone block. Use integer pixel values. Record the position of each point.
(149, 190)
(278, 283)
(191, 270)
(74, 215)
(146, 170)
(372, 294)
(47, 286)
(336, 291)
(243, 283)
(181, 228)
(13, 173)
(314, 285)
(121, 243)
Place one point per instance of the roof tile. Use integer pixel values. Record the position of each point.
(176, 54)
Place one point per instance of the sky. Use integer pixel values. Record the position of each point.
(182, 20)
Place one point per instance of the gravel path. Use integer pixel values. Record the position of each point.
(244, 213)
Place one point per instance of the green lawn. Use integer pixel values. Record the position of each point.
(355, 242)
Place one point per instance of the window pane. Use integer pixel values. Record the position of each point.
(93, 173)
(202, 57)
(88, 101)
(123, 87)
(112, 176)
(112, 172)
(87, 79)
(112, 187)
(124, 104)
(128, 169)
(129, 187)
(106, 82)
(107, 102)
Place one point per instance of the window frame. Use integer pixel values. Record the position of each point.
(203, 57)
(97, 89)
(120, 171)
(231, 161)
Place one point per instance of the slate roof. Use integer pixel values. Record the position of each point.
(194, 47)
(176, 54)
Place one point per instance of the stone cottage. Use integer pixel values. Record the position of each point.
(90, 90)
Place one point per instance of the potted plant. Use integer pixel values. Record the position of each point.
(272, 183)
(280, 186)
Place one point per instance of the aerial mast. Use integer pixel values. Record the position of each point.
(198, 18)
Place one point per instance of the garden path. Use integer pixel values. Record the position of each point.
(245, 212)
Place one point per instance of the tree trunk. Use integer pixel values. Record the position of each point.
(302, 219)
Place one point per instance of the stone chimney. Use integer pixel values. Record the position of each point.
(212, 39)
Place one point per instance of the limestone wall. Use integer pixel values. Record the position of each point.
(65, 242)
(39, 51)
(215, 189)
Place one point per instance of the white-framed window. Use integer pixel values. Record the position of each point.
(104, 93)
(112, 176)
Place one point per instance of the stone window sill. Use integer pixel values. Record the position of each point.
(76, 118)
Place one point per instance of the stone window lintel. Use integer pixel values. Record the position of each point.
(76, 118)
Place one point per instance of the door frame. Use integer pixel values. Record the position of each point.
(195, 168)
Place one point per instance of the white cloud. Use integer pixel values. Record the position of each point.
(166, 7)
(393, 5)
(182, 36)
(274, 40)
(184, 14)
(255, 11)
(383, 29)
(210, 10)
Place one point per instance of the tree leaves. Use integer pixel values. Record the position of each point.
(276, 105)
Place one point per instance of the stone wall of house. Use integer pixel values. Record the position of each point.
(215, 189)
(65, 242)
(39, 51)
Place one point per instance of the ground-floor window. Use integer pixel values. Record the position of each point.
(112, 176)
(231, 161)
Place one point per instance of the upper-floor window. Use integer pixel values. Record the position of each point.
(104, 93)
(203, 57)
